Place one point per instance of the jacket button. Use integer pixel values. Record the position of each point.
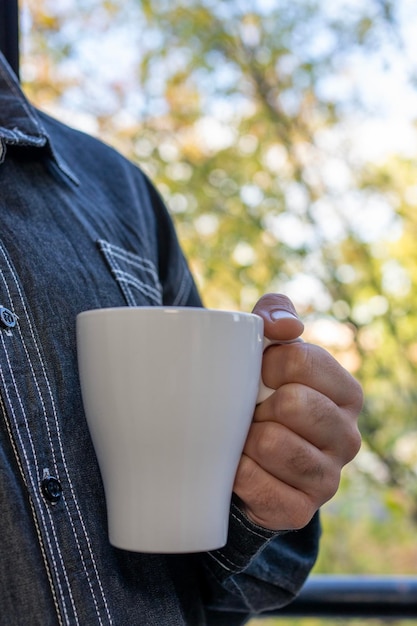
(7, 318)
(51, 489)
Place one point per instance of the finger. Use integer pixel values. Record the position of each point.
(269, 502)
(281, 321)
(315, 418)
(294, 461)
(313, 367)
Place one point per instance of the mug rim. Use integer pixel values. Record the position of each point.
(170, 310)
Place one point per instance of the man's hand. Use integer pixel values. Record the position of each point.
(304, 433)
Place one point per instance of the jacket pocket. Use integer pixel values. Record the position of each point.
(136, 276)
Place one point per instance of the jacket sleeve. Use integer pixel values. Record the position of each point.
(179, 288)
(258, 570)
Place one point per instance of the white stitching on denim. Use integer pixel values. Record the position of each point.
(38, 531)
(146, 289)
(51, 398)
(45, 415)
(231, 580)
(229, 569)
(223, 557)
(115, 252)
(47, 565)
(32, 479)
(124, 285)
(131, 257)
(34, 482)
(51, 446)
(125, 279)
(115, 267)
(249, 528)
(15, 136)
(182, 293)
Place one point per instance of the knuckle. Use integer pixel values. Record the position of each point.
(260, 503)
(302, 360)
(245, 475)
(302, 461)
(301, 516)
(329, 487)
(290, 399)
(352, 444)
(265, 440)
(265, 499)
(357, 395)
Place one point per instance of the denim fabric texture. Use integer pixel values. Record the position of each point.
(82, 228)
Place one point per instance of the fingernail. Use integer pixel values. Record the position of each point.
(282, 315)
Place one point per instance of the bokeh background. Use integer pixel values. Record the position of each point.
(282, 136)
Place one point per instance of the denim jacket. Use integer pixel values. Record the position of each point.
(82, 228)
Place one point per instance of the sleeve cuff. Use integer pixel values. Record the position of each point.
(245, 540)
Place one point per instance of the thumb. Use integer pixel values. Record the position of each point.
(281, 321)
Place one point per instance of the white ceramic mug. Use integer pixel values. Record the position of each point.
(169, 394)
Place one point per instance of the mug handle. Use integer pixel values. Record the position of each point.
(263, 391)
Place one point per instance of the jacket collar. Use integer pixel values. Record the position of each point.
(20, 123)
